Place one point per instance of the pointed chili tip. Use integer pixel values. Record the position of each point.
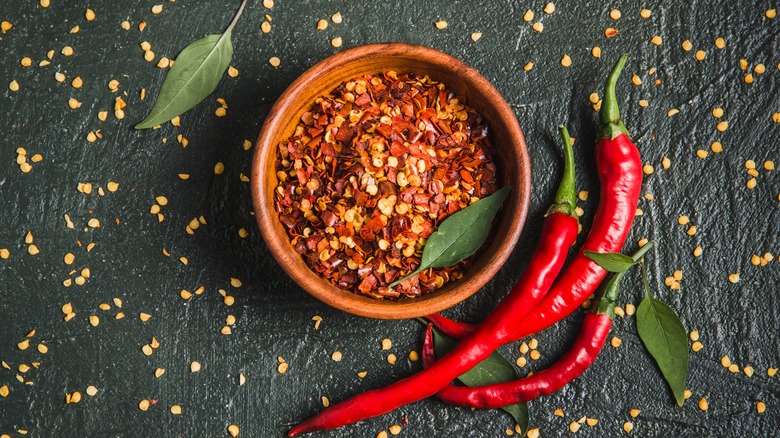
(610, 111)
(565, 199)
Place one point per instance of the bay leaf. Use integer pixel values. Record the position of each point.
(611, 261)
(460, 235)
(494, 369)
(665, 337)
(194, 76)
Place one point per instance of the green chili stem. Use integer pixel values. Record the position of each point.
(612, 289)
(612, 126)
(565, 198)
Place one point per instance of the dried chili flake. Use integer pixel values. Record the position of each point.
(370, 172)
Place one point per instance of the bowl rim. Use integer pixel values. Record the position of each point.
(280, 246)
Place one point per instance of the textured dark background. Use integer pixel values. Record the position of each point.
(273, 314)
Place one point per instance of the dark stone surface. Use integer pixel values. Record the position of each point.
(273, 314)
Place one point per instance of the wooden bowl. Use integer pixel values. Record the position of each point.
(506, 136)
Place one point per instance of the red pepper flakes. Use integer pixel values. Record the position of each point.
(369, 174)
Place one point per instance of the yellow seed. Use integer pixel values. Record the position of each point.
(628, 426)
(769, 165)
(751, 183)
(337, 18)
(144, 404)
(700, 55)
(535, 355)
(336, 356)
(414, 356)
(566, 60)
(656, 40)
(760, 407)
(697, 346)
(771, 372)
(394, 429)
(615, 14)
(33, 250)
(391, 359)
(159, 372)
(725, 361)
(275, 61)
(73, 103)
(233, 430)
(630, 309)
(195, 367)
(521, 361)
(5, 26)
(322, 24)
(232, 72)
(574, 426)
(694, 335)
(163, 62)
(636, 80)
(720, 43)
(381, 434)
(176, 410)
(549, 8)
(615, 342)
(748, 370)
(703, 405)
(67, 50)
(683, 220)
(749, 78)
(533, 344)
(220, 112)
(268, 4)
(634, 413)
(91, 390)
(219, 168)
(645, 13)
(387, 344)
(94, 320)
(672, 112)
(771, 13)
(4, 391)
(75, 397)
(156, 9)
(538, 27)
(722, 126)
(717, 147)
(686, 45)
(533, 433)
(440, 24)
(475, 36)
(596, 52)
(125, 25)
(89, 14)
(528, 66)
(648, 169)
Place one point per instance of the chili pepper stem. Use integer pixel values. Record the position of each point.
(611, 125)
(606, 304)
(565, 198)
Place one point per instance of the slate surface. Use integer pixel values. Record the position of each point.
(273, 314)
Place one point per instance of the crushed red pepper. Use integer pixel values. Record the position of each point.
(370, 172)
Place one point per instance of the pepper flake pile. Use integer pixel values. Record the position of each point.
(370, 172)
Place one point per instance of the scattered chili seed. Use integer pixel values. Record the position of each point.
(628, 426)
(476, 36)
(703, 405)
(176, 410)
(195, 367)
(645, 13)
(441, 24)
(233, 430)
(596, 52)
(700, 55)
(538, 27)
(336, 42)
(391, 359)
(275, 61)
(566, 61)
(336, 356)
(610, 32)
(760, 407)
(656, 40)
(615, 14)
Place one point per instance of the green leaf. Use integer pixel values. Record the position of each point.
(460, 235)
(665, 337)
(194, 75)
(611, 261)
(494, 369)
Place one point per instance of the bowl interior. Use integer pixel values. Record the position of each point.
(505, 135)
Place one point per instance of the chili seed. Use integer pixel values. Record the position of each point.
(176, 410)
(615, 342)
(336, 356)
(233, 430)
(391, 359)
(566, 61)
(336, 42)
(628, 426)
(441, 24)
(686, 45)
(596, 52)
(538, 27)
(615, 14)
(703, 405)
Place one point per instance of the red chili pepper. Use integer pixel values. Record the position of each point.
(594, 332)
(558, 234)
(620, 173)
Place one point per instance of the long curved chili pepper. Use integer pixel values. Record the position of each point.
(571, 365)
(559, 233)
(620, 174)
(564, 203)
